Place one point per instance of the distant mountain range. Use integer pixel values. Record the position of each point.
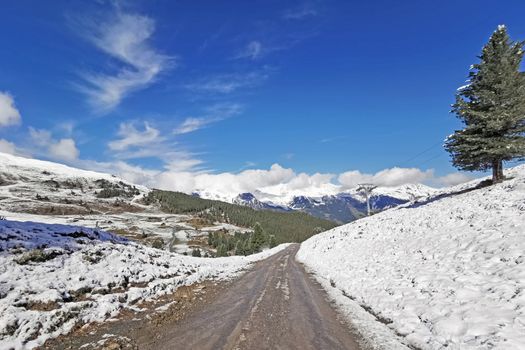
(41, 187)
(342, 207)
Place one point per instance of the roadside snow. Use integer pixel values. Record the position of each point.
(445, 273)
(55, 276)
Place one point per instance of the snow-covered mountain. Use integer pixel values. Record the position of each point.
(42, 187)
(340, 207)
(448, 272)
(249, 200)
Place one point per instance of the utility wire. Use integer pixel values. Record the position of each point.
(421, 153)
(430, 159)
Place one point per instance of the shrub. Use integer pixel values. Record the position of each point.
(37, 255)
(157, 243)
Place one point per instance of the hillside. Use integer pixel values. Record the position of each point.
(43, 191)
(42, 187)
(448, 272)
(285, 226)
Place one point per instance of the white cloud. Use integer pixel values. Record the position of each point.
(387, 177)
(271, 183)
(453, 179)
(280, 182)
(228, 83)
(63, 149)
(224, 183)
(131, 137)
(7, 147)
(253, 50)
(304, 181)
(9, 114)
(124, 37)
(40, 137)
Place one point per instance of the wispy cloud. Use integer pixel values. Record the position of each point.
(247, 165)
(228, 83)
(253, 50)
(130, 136)
(303, 11)
(288, 156)
(125, 37)
(331, 139)
(134, 142)
(191, 124)
(213, 114)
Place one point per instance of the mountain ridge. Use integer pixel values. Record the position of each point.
(342, 207)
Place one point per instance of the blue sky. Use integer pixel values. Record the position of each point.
(151, 88)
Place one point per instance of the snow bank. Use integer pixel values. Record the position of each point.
(446, 273)
(54, 276)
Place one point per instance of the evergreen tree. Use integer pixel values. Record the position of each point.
(492, 107)
(238, 248)
(222, 251)
(272, 242)
(247, 248)
(258, 237)
(210, 239)
(286, 227)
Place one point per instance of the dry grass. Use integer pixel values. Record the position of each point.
(199, 223)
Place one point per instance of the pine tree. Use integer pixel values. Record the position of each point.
(222, 251)
(238, 248)
(258, 237)
(272, 241)
(492, 107)
(247, 248)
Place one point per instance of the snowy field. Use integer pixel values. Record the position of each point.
(448, 273)
(133, 225)
(55, 276)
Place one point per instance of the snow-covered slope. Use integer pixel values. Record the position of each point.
(53, 277)
(41, 187)
(446, 273)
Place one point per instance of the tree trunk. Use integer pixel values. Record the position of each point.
(497, 171)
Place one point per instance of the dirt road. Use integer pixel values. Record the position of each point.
(275, 305)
